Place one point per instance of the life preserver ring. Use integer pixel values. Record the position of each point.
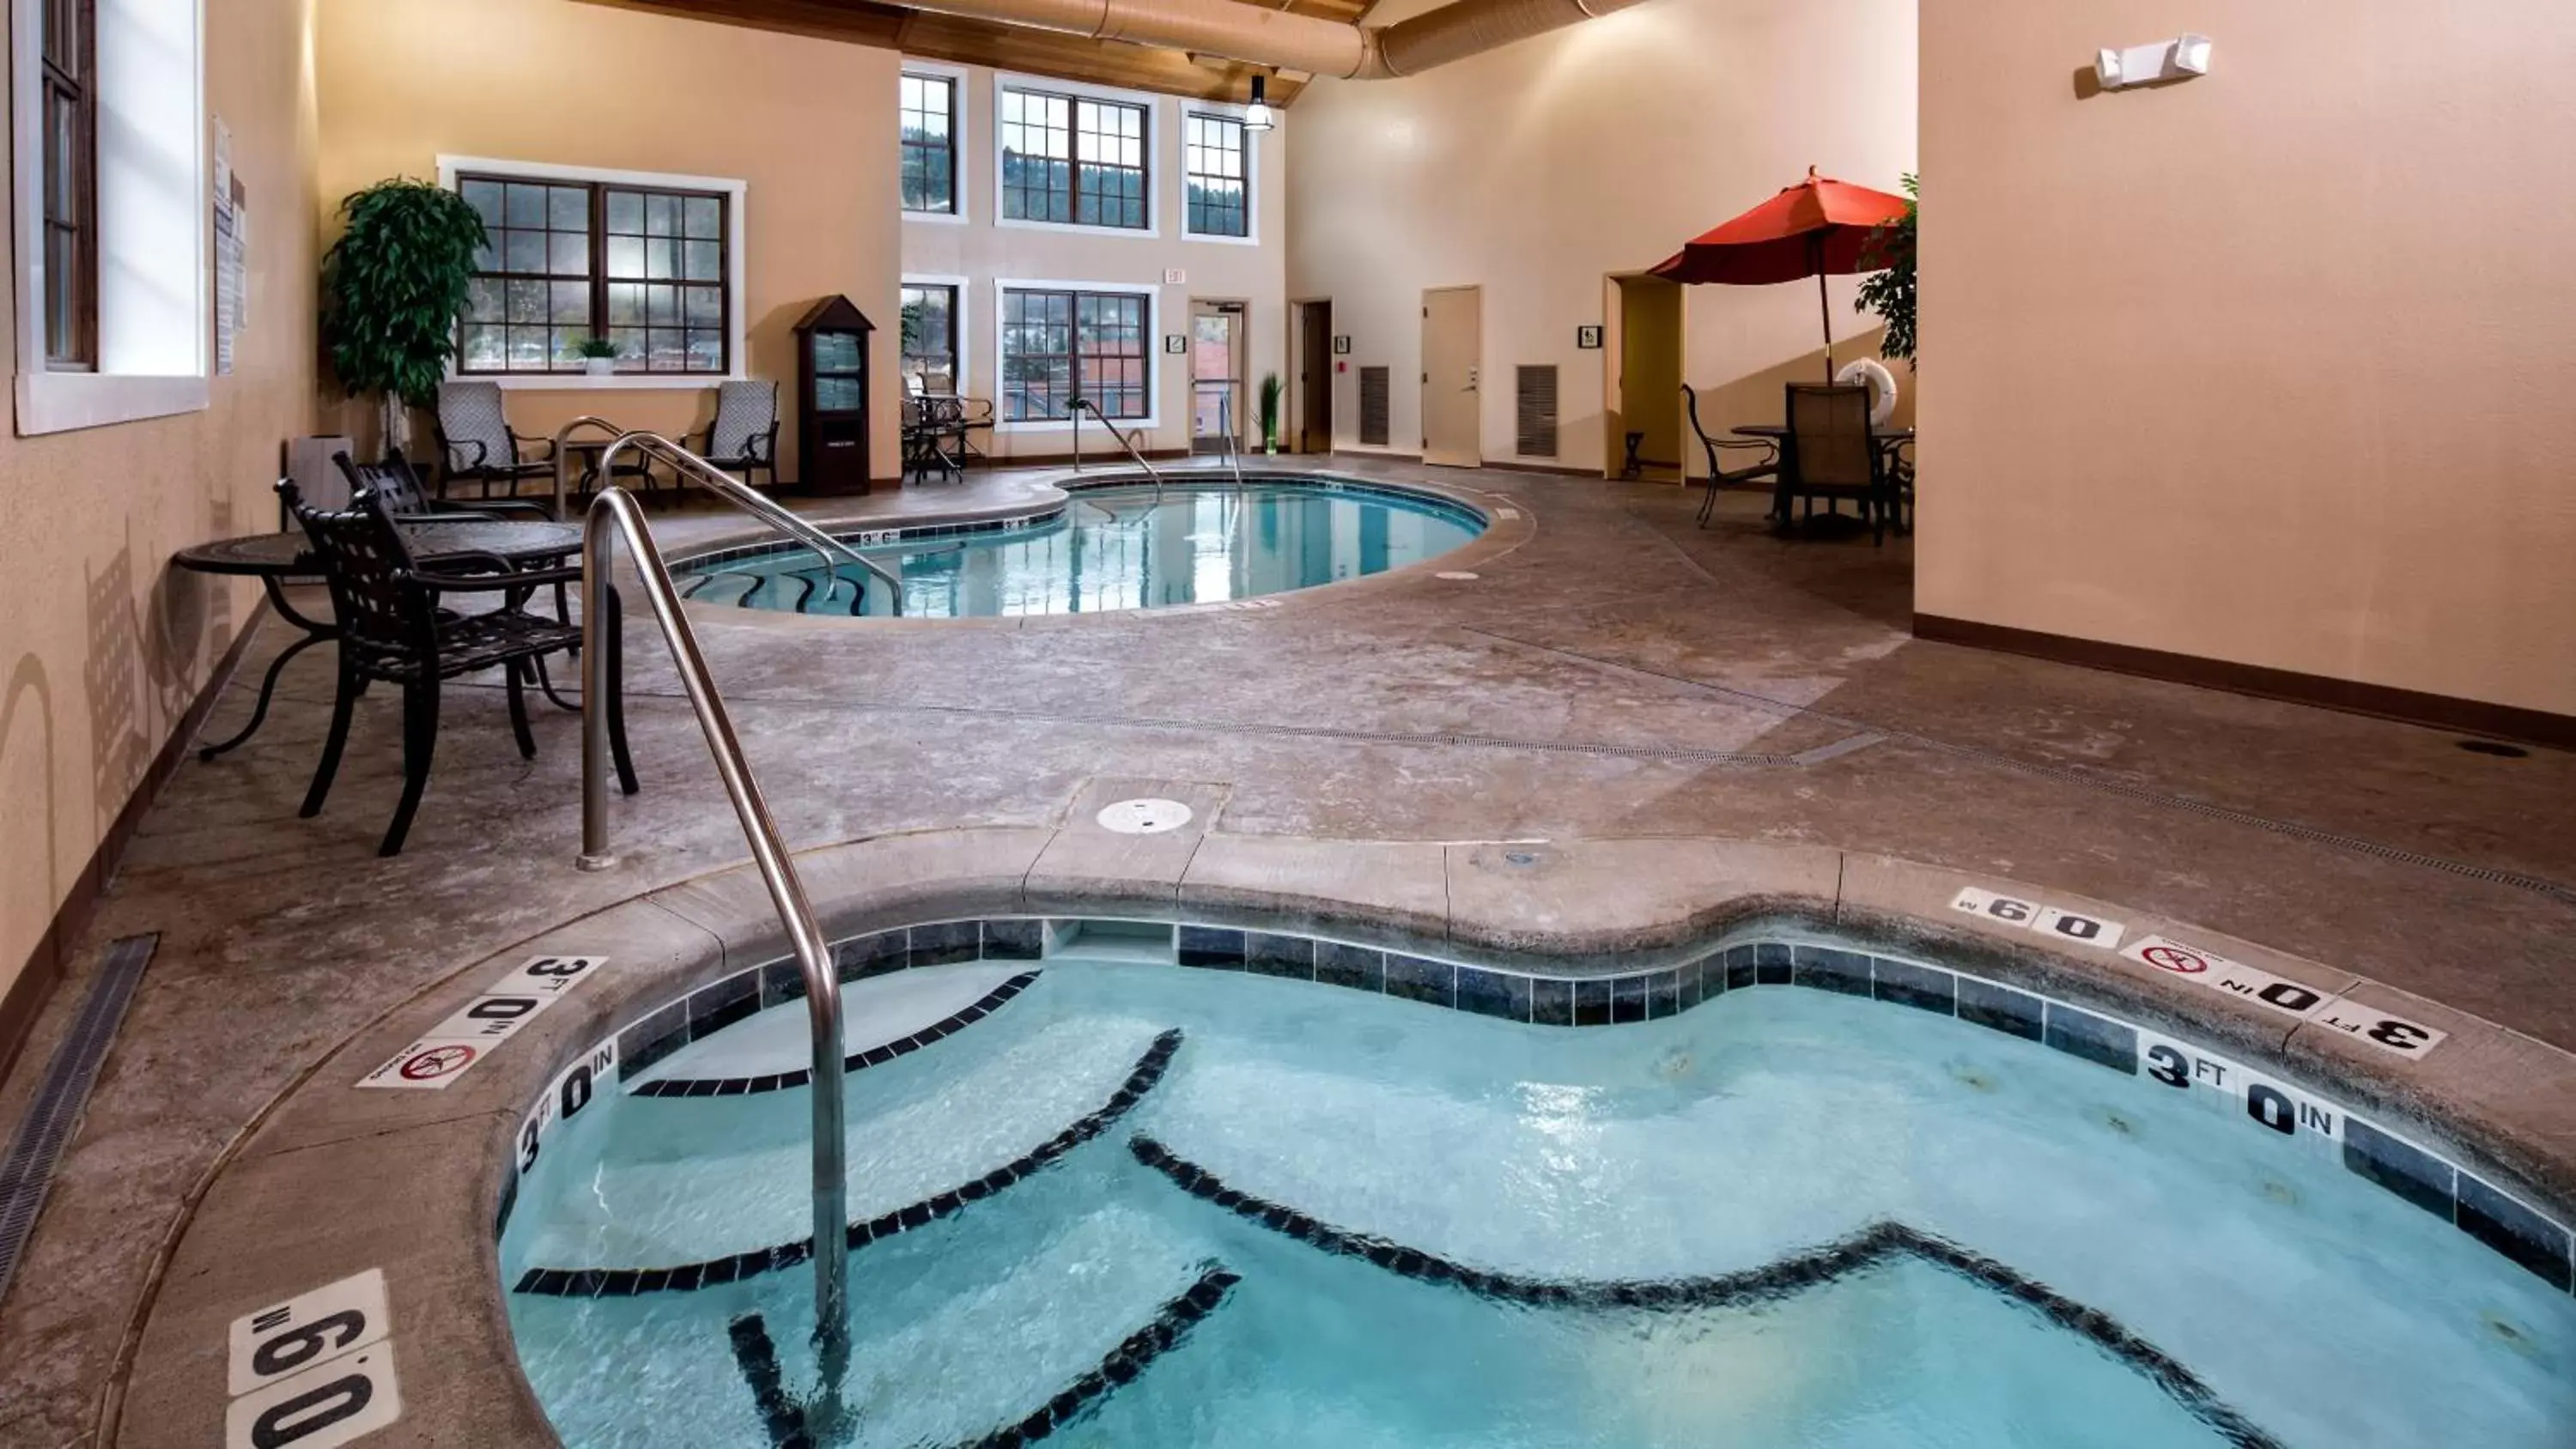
(1881, 382)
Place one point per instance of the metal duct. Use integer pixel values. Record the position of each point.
(1257, 35)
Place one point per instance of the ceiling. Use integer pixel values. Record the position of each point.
(1008, 47)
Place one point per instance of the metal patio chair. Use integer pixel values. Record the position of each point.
(743, 435)
(1720, 476)
(475, 443)
(1830, 454)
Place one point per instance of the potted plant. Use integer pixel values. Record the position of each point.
(393, 286)
(1890, 293)
(598, 355)
(1272, 389)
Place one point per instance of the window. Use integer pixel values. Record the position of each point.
(645, 267)
(70, 105)
(1059, 345)
(1218, 175)
(1073, 159)
(930, 334)
(929, 143)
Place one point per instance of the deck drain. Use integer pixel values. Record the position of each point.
(1144, 817)
(2496, 748)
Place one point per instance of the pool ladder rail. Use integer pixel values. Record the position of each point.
(614, 514)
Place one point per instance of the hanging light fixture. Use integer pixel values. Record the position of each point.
(1258, 116)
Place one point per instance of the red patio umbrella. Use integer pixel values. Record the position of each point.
(1818, 228)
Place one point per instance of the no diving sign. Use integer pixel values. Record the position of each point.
(453, 1047)
(2389, 1032)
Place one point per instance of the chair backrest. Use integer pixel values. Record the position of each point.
(1690, 403)
(392, 480)
(745, 412)
(1829, 436)
(470, 413)
(374, 599)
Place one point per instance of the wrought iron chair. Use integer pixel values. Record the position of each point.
(1719, 475)
(397, 482)
(1831, 455)
(475, 443)
(743, 436)
(391, 628)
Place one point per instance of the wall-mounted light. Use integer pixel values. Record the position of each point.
(1258, 116)
(2166, 60)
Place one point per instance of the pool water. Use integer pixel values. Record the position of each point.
(1121, 548)
(1290, 1214)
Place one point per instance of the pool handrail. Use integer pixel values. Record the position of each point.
(614, 513)
(749, 499)
(1081, 405)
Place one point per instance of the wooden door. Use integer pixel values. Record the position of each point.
(1315, 378)
(1452, 363)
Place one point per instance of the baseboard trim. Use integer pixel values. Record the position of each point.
(47, 965)
(2436, 711)
(1091, 458)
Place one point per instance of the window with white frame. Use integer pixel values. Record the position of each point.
(108, 246)
(1074, 160)
(1216, 165)
(1060, 343)
(566, 260)
(930, 335)
(929, 126)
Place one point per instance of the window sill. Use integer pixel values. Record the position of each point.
(1139, 233)
(62, 402)
(941, 218)
(1219, 238)
(584, 382)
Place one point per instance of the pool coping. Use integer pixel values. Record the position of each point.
(1507, 524)
(331, 1181)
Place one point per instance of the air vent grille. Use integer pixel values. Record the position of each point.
(1373, 406)
(1534, 405)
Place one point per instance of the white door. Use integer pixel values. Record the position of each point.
(1452, 356)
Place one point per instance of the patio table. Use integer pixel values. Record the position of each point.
(1889, 441)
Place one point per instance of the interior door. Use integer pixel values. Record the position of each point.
(1315, 378)
(1216, 376)
(1452, 356)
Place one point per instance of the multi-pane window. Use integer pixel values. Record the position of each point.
(1057, 346)
(1072, 159)
(930, 335)
(569, 260)
(1217, 175)
(70, 185)
(929, 143)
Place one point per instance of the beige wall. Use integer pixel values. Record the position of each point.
(103, 643)
(1540, 168)
(2271, 366)
(808, 124)
(983, 253)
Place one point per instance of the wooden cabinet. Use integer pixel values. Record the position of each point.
(832, 397)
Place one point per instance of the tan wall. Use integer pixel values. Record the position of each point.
(2270, 366)
(1540, 168)
(982, 252)
(808, 124)
(103, 643)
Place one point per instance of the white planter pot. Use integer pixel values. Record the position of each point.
(599, 366)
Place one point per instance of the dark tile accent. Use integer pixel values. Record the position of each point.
(1122, 1365)
(862, 956)
(713, 1008)
(1289, 956)
(1664, 995)
(756, 1357)
(1627, 999)
(781, 981)
(509, 1200)
(1827, 969)
(946, 943)
(2411, 1173)
(2513, 1230)
(1014, 940)
(2098, 1039)
(2014, 1013)
(1417, 978)
(876, 1056)
(1907, 984)
(1592, 1002)
(1360, 967)
(1493, 993)
(653, 1038)
(1212, 946)
(1770, 964)
(1552, 1002)
(1739, 967)
(1689, 977)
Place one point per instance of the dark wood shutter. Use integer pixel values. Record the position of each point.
(1373, 406)
(1534, 407)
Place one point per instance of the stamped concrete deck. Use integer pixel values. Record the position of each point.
(1617, 676)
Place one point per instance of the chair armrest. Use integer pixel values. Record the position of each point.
(452, 451)
(519, 445)
(763, 447)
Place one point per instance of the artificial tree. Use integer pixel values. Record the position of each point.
(393, 286)
(1271, 391)
(1890, 293)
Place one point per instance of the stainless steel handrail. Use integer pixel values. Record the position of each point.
(1225, 427)
(563, 459)
(613, 513)
(743, 496)
(1083, 404)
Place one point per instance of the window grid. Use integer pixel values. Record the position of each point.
(1057, 345)
(930, 333)
(1071, 159)
(929, 115)
(1216, 176)
(565, 261)
(68, 102)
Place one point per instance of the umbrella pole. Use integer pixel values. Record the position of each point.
(1825, 308)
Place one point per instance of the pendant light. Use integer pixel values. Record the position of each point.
(1258, 116)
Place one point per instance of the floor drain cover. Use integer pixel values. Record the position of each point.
(1144, 817)
(1457, 576)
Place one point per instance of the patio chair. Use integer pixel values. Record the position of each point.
(392, 629)
(1719, 475)
(475, 443)
(397, 482)
(743, 435)
(1831, 455)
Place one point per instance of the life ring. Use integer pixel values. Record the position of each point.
(1882, 387)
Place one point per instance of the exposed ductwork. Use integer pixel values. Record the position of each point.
(1257, 35)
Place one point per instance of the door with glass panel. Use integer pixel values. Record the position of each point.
(1216, 376)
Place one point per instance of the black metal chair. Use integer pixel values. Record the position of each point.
(1831, 454)
(475, 443)
(391, 628)
(1719, 476)
(743, 435)
(397, 482)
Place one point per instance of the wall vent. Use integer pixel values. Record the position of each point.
(1373, 406)
(1534, 406)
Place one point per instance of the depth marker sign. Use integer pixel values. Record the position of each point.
(450, 1049)
(2389, 1032)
